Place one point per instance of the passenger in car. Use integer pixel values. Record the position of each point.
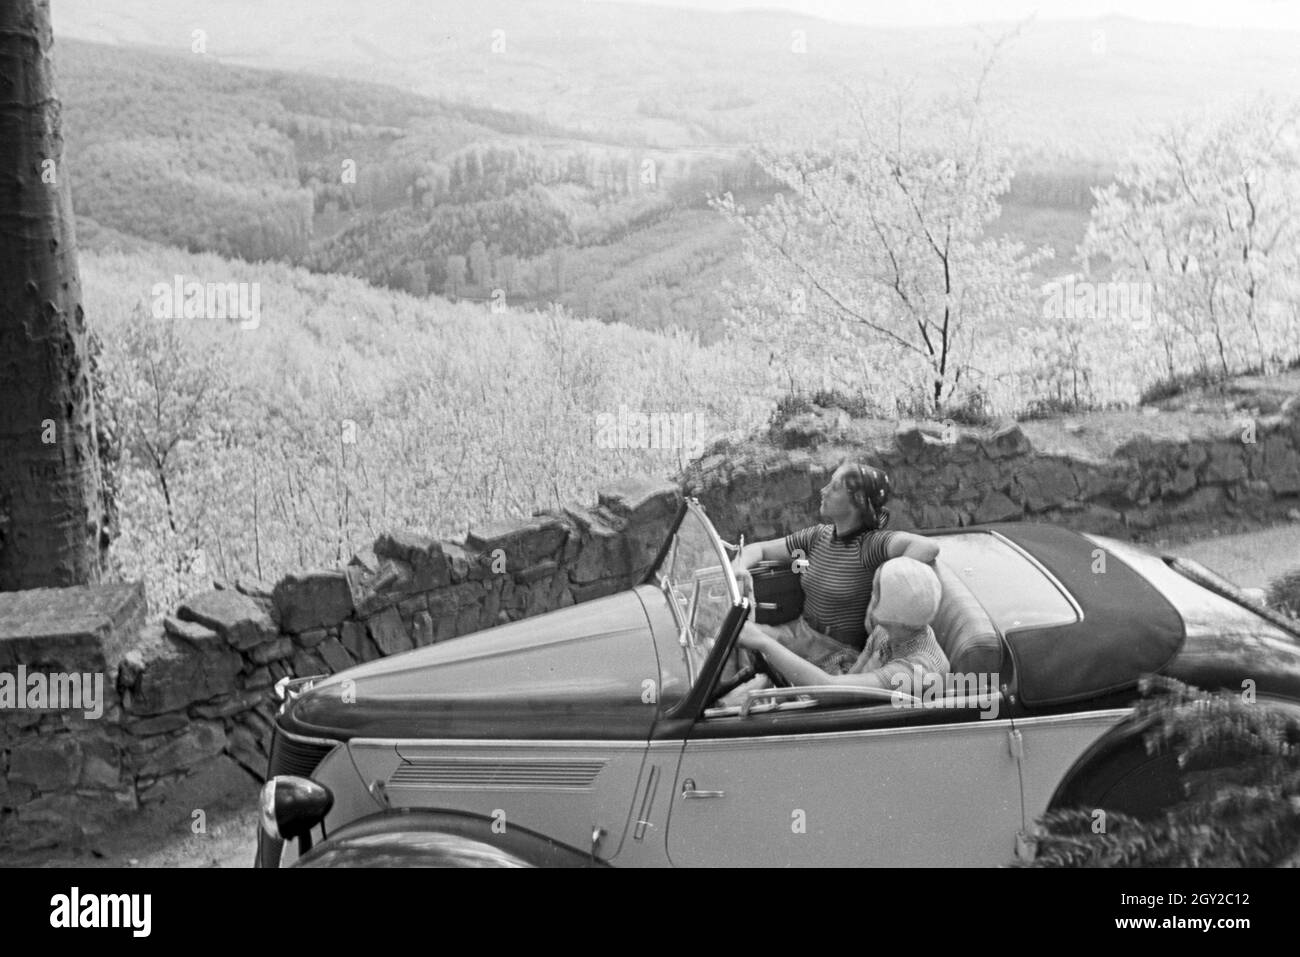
(838, 561)
(901, 645)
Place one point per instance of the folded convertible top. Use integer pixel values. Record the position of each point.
(1128, 628)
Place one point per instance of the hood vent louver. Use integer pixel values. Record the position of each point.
(496, 773)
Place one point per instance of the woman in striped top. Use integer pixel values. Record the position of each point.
(902, 652)
(838, 561)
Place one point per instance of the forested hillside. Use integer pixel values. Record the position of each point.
(351, 410)
(405, 191)
(190, 152)
(434, 198)
(582, 137)
(544, 201)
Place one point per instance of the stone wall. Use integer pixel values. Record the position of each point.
(188, 703)
(955, 476)
(188, 708)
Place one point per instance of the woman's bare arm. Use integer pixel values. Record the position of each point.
(799, 671)
(772, 550)
(910, 545)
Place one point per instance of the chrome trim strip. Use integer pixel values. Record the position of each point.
(647, 803)
(776, 694)
(1039, 565)
(1074, 717)
(303, 739)
(497, 743)
(767, 739)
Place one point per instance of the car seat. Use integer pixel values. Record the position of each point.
(964, 629)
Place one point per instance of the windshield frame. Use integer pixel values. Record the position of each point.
(706, 669)
(691, 506)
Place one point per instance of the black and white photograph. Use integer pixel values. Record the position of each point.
(741, 434)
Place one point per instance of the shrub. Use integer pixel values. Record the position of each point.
(787, 407)
(797, 403)
(1050, 407)
(1171, 386)
(855, 404)
(974, 409)
(1242, 814)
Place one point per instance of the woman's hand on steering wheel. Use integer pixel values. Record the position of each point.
(745, 664)
(749, 654)
(763, 667)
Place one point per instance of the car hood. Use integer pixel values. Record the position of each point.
(589, 671)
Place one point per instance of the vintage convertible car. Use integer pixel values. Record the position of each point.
(596, 734)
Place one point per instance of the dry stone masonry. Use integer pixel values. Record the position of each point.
(187, 707)
(952, 476)
(188, 701)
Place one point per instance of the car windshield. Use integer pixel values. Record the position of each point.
(699, 583)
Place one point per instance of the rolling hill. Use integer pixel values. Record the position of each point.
(669, 77)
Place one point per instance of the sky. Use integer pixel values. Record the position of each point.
(1255, 14)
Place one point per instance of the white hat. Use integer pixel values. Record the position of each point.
(909, 593)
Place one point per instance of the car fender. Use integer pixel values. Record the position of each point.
(1118, 762)
(435, 838)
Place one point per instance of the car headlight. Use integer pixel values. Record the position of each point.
(291, 806)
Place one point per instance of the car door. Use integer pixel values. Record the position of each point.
(1052, 744)
(864, 786)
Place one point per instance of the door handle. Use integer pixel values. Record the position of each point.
(689, 791)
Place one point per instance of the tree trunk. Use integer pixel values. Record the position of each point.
(50, 514)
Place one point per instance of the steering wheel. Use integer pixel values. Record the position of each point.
(743, 665)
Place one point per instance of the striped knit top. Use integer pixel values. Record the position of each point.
(902, 664)
(837, 581)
